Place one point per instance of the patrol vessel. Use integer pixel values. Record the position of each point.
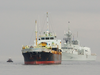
(72, 50)
(45, 50)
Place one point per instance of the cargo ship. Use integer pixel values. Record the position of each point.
(72, 50)
(45, 50)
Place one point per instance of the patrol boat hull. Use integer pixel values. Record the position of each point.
(69, 56)
(36, 58)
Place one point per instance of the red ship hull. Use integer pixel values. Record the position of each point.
(42, 62)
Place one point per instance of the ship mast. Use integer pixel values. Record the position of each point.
(47, 25)
(69, 34)
(36, 30)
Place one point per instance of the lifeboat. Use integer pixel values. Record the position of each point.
(9, 60)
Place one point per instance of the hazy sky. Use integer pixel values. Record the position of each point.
(17, 23)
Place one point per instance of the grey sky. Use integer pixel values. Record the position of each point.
(17, 21)
(52, 5)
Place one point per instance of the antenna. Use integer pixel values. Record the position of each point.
(36, 30)
(77, 34)
(68, 26)
(64, 32)
(73, 37)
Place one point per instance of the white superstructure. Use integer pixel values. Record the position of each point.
(45, 42)
(73, 51)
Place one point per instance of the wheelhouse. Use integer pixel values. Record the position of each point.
(46, 38)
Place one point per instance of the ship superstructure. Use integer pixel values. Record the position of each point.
(45, 50)
(72, 50)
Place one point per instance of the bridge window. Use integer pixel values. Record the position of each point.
(51, 37)
(42, 38)
(47, 38)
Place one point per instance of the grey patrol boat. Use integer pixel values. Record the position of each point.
(71, 50)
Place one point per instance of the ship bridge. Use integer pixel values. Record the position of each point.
(47, 38)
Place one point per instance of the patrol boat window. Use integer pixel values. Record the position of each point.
(64, 47)
(75, 42)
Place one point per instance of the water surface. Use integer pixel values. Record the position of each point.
(66, 68)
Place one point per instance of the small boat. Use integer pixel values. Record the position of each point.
(9, 60)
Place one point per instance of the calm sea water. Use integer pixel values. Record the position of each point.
(66, 68)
